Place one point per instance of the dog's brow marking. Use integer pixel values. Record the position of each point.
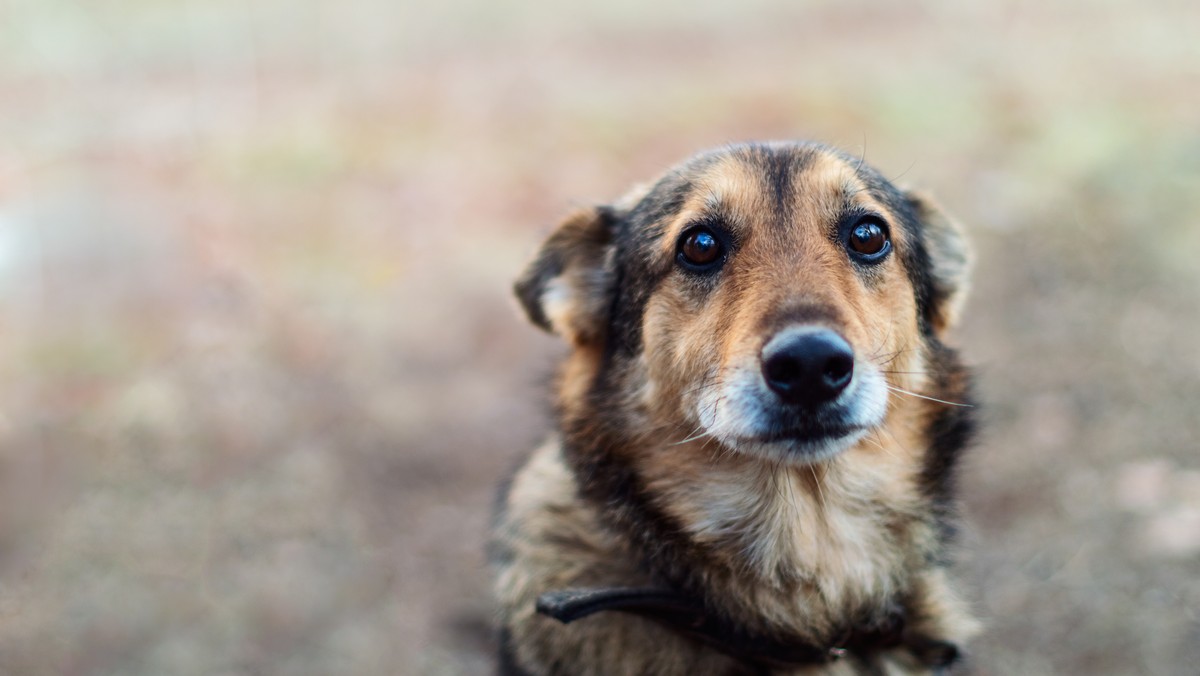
(779, 180)
(852, 187)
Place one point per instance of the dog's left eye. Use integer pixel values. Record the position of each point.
(700, 250)
(869, 239)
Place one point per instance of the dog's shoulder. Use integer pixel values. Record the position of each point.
(547, 538)
(539, 513)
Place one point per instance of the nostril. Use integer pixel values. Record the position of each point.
(783, 370)
(838, 370)
(810, 366)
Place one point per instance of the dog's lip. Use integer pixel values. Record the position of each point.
(807, 434)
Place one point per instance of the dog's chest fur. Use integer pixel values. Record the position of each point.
(801, 548)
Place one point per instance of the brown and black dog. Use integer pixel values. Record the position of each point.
(759, 424)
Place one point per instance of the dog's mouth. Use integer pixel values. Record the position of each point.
(759, 426)
(747, 417)
(809, 434)
(803, 443)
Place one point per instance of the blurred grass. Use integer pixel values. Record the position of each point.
(261, 370)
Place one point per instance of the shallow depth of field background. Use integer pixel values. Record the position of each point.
(259, 367)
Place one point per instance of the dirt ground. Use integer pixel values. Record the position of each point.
(260, 370)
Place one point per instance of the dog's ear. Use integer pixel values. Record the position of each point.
(567, 287)
(950, 260)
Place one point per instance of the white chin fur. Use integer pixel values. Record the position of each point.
(797, 452)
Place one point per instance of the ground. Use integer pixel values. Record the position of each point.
(261, 369)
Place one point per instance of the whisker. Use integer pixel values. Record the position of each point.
(791, 488)
(721, 453)
(874, 442)
(708, 441)
(707, 382)
(894, 356)
(774, 474)
(881, 444)
(820, 493)
(721, 450)
(893, 436)
(862, 158)
(896, 439)
(875, 353)
(717, 453)
(694, 437)
(901, 174)
(921, 396)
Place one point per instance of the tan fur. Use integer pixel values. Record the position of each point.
(559, 544)
(787, 547)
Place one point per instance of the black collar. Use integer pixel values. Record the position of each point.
(688, 616)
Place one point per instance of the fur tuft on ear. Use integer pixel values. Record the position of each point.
(566, 288)
(950, 261)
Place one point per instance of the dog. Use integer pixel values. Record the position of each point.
(758, 429)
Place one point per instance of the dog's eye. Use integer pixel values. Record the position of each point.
(869, 239)
(700, 250)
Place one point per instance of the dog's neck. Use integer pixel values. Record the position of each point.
(805, 546)
(788, 547)
(803, 549)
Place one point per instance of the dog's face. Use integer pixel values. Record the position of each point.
(769, 298)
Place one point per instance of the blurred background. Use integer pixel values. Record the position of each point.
(260, 370)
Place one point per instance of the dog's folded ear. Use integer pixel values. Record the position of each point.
(950, 260)
(567, 287)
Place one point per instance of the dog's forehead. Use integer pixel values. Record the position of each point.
(786, 180)
(779, 181)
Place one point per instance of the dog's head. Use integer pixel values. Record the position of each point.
(774, 298)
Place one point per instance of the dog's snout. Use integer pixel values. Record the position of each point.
(807, 367)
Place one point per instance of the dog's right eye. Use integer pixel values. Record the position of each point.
(700, 250)
(868, 239)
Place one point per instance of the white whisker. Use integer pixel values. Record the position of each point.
(883, 446)
(921, 396)
(704, 433)
(820, 494)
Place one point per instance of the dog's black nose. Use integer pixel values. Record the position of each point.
(807, 367)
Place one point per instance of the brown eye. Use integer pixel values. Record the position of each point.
(869, 239)
(700, 250)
